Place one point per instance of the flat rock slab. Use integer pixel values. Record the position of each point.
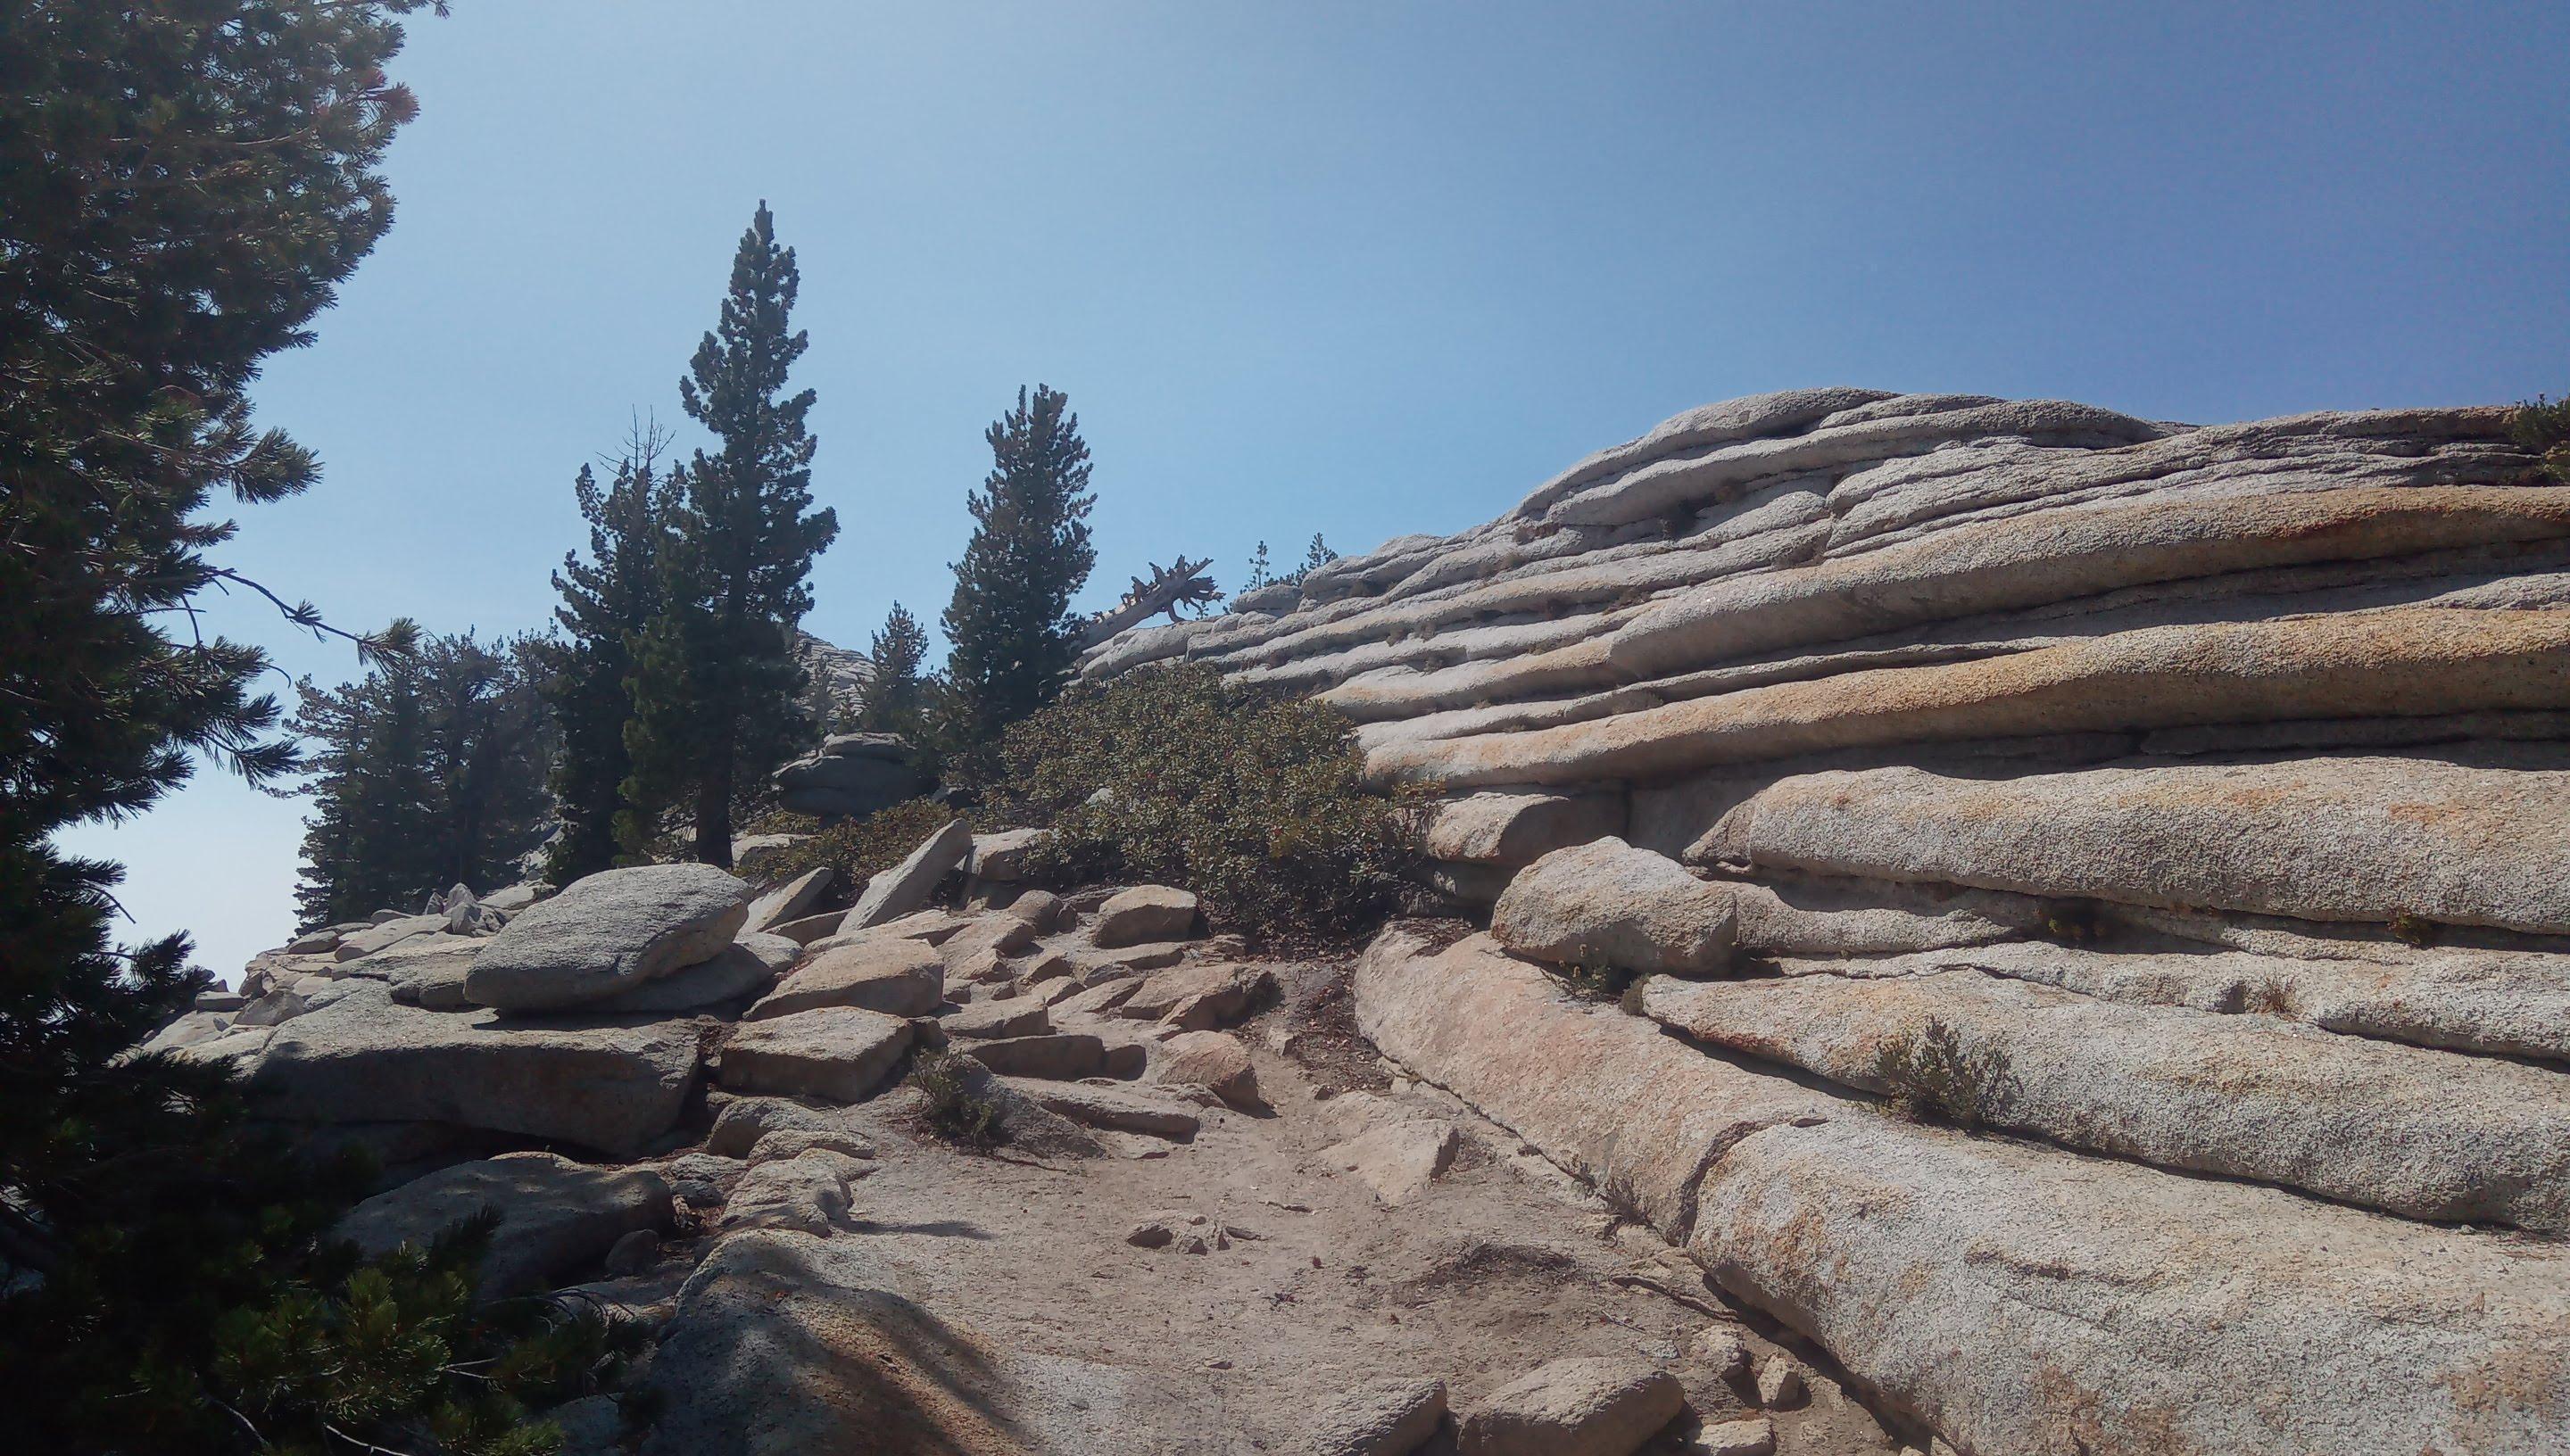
(1214, 1061)
(1017, 1016)
(1197, 997)
(1118, 1108)
(789, 901)
(609, 1083)
(557, 1218)
(836, 1052)
(746, 1122)
(1391, 1416)
(1146, 912)
(746, 967)
(1606, 1095)
(2424, 1134)
(1060, 1057)
(386, 934)
(1399, 1159)
(423, 970)
(2327, 839)
(2131, 1312)
(1511, 831)
(608, 932)
(1608, 903)
(904, 887)
(1594, 1406)
(892, 975)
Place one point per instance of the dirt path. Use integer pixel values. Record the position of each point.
(1501, 1264)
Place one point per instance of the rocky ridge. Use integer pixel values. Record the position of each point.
(2176, 807)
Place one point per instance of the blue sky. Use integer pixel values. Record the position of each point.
(1356, 268)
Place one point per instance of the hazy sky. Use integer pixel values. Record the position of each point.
(1361, 268)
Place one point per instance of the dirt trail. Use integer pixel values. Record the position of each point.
(1503, 1265)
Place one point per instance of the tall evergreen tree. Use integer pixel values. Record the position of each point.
(717, 689)
(1010, 626)
(608, 601)
(895, 696)
(428, 772)
(181, 188)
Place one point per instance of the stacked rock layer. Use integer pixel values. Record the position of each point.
(2194, 795)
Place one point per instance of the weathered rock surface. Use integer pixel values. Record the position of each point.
(1516, 830)
(386, 934)
(2323, 838)
(1573, 1407)
(893, 975)
(1388, 1416)
(904, 887)
(557, 1216)
(2424, 1134)
(1120, 1109)
(1146, 912)
(1609, 903)
(1017, 1016)
(851, 776)
(808, 1191)
(1059, 1056)
(605, 933)
(1399, 1159)
(1213, 1060)
(609, 1083)
(1197, 997)
(836, 1052)
(1005, 855)
(2127, 1311)
(789, 901)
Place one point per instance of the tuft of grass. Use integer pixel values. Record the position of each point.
(1934, 1077)
(2271, 996)
(1600, 982)
(949, 1107)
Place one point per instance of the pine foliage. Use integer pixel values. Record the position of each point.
(1010, 632)
(715, 685)
(427, 772)
(2543, 427)
(608, 601)
(895, 697)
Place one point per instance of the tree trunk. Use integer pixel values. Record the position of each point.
(713, 813)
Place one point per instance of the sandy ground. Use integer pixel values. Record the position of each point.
(1503, 1263)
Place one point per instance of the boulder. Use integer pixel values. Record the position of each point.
(888, 973)
(1573, 1407)
(424, 970)
(1117, 1109)
(2126, 1310)
(1399, 1159)
(746, 1122)
(905, 888)
(313, 942)
(771, 1312)
(1605, 1095)
(608, 932)
(1198, 997)
(1017, 1016)
(789, 901)
(609, 1083)
(836, 1052)
(2326, 839)
(386, 933)
(1146, 912)
(557, 1218)
(1003, 856)
(808, 1192)
(1040, 908)
(1382, 1416)
(1512, 829)
(872, 770)
(810, 929)
(1608, 903)
(746, 967)
(1214, 1061)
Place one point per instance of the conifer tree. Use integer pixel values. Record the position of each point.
(608, 601)
(427, 772)
(894, 697)
(1010, 626)
(717, 689)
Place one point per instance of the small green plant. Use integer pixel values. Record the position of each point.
(2543, 427)
(1932, 1077)
(948, 1105)
(856, 847)
(2413, 929)
(1598, 983)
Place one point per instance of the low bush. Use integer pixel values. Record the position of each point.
(2545, 428)
(1251, 798)
(857, 849)
(1932, 1077)
(948, 1106)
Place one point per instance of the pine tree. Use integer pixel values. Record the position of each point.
(717, 689)
(1263, 572)
(1315, 557)
(1010, 626)
(181, 188)
(607, 603)
(427, 772)
(895, 697)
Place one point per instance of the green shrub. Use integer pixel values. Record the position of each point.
(2545, 428)
(1251, 798)
(1931, 1076)
(948, 1106)
(856, 847)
